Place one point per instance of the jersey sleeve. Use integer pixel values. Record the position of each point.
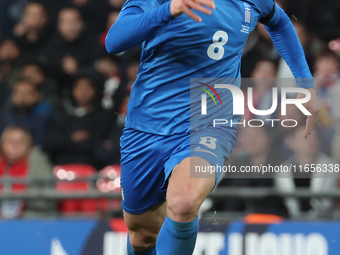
(265, 8)
(272, 17)
(136, 23)
(145, 5)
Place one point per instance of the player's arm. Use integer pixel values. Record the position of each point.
(134, 26)
(287, 43)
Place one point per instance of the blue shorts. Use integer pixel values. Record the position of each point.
(147, 161)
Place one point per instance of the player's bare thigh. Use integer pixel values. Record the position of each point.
(184, 197)
(144, 228)
(185, 194)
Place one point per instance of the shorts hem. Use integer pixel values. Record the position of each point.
(139, 211)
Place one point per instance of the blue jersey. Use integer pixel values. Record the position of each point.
(183, 49)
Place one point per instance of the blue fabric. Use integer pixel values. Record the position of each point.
(144, 5)
(177, 238)
(175, 50)
(131, 251)
(287, 43)
(140, 26)
(147, 161)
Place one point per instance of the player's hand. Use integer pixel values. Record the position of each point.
(177, 7)
(313, 107)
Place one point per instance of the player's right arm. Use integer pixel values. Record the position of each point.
(135, 25)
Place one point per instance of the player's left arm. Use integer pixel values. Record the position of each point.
(287, 43)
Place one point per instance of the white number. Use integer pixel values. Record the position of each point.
(217, 44)
(208, 141)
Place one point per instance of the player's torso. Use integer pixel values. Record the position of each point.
(185, 49)
(193, 46)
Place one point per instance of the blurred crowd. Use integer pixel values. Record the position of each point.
(63, 98)
(284, 146)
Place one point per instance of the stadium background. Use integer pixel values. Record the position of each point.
(63, 101)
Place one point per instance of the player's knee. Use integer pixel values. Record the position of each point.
(183, 208)
(142, 240)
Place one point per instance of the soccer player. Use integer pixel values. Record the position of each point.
(159, 144)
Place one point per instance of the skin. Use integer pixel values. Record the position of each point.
(178, 7)
(112, 18)
(70, 24)
(33, 74)
(9, 51)
(25, 95)
(84, 94)
(313, 107)
(33, 23)
(263, 76)
(184, 194)
(35, 17)
(302, 33)
(183, 199)
(264, 70)
(107, 67)
(15, 145)
(69, 64)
